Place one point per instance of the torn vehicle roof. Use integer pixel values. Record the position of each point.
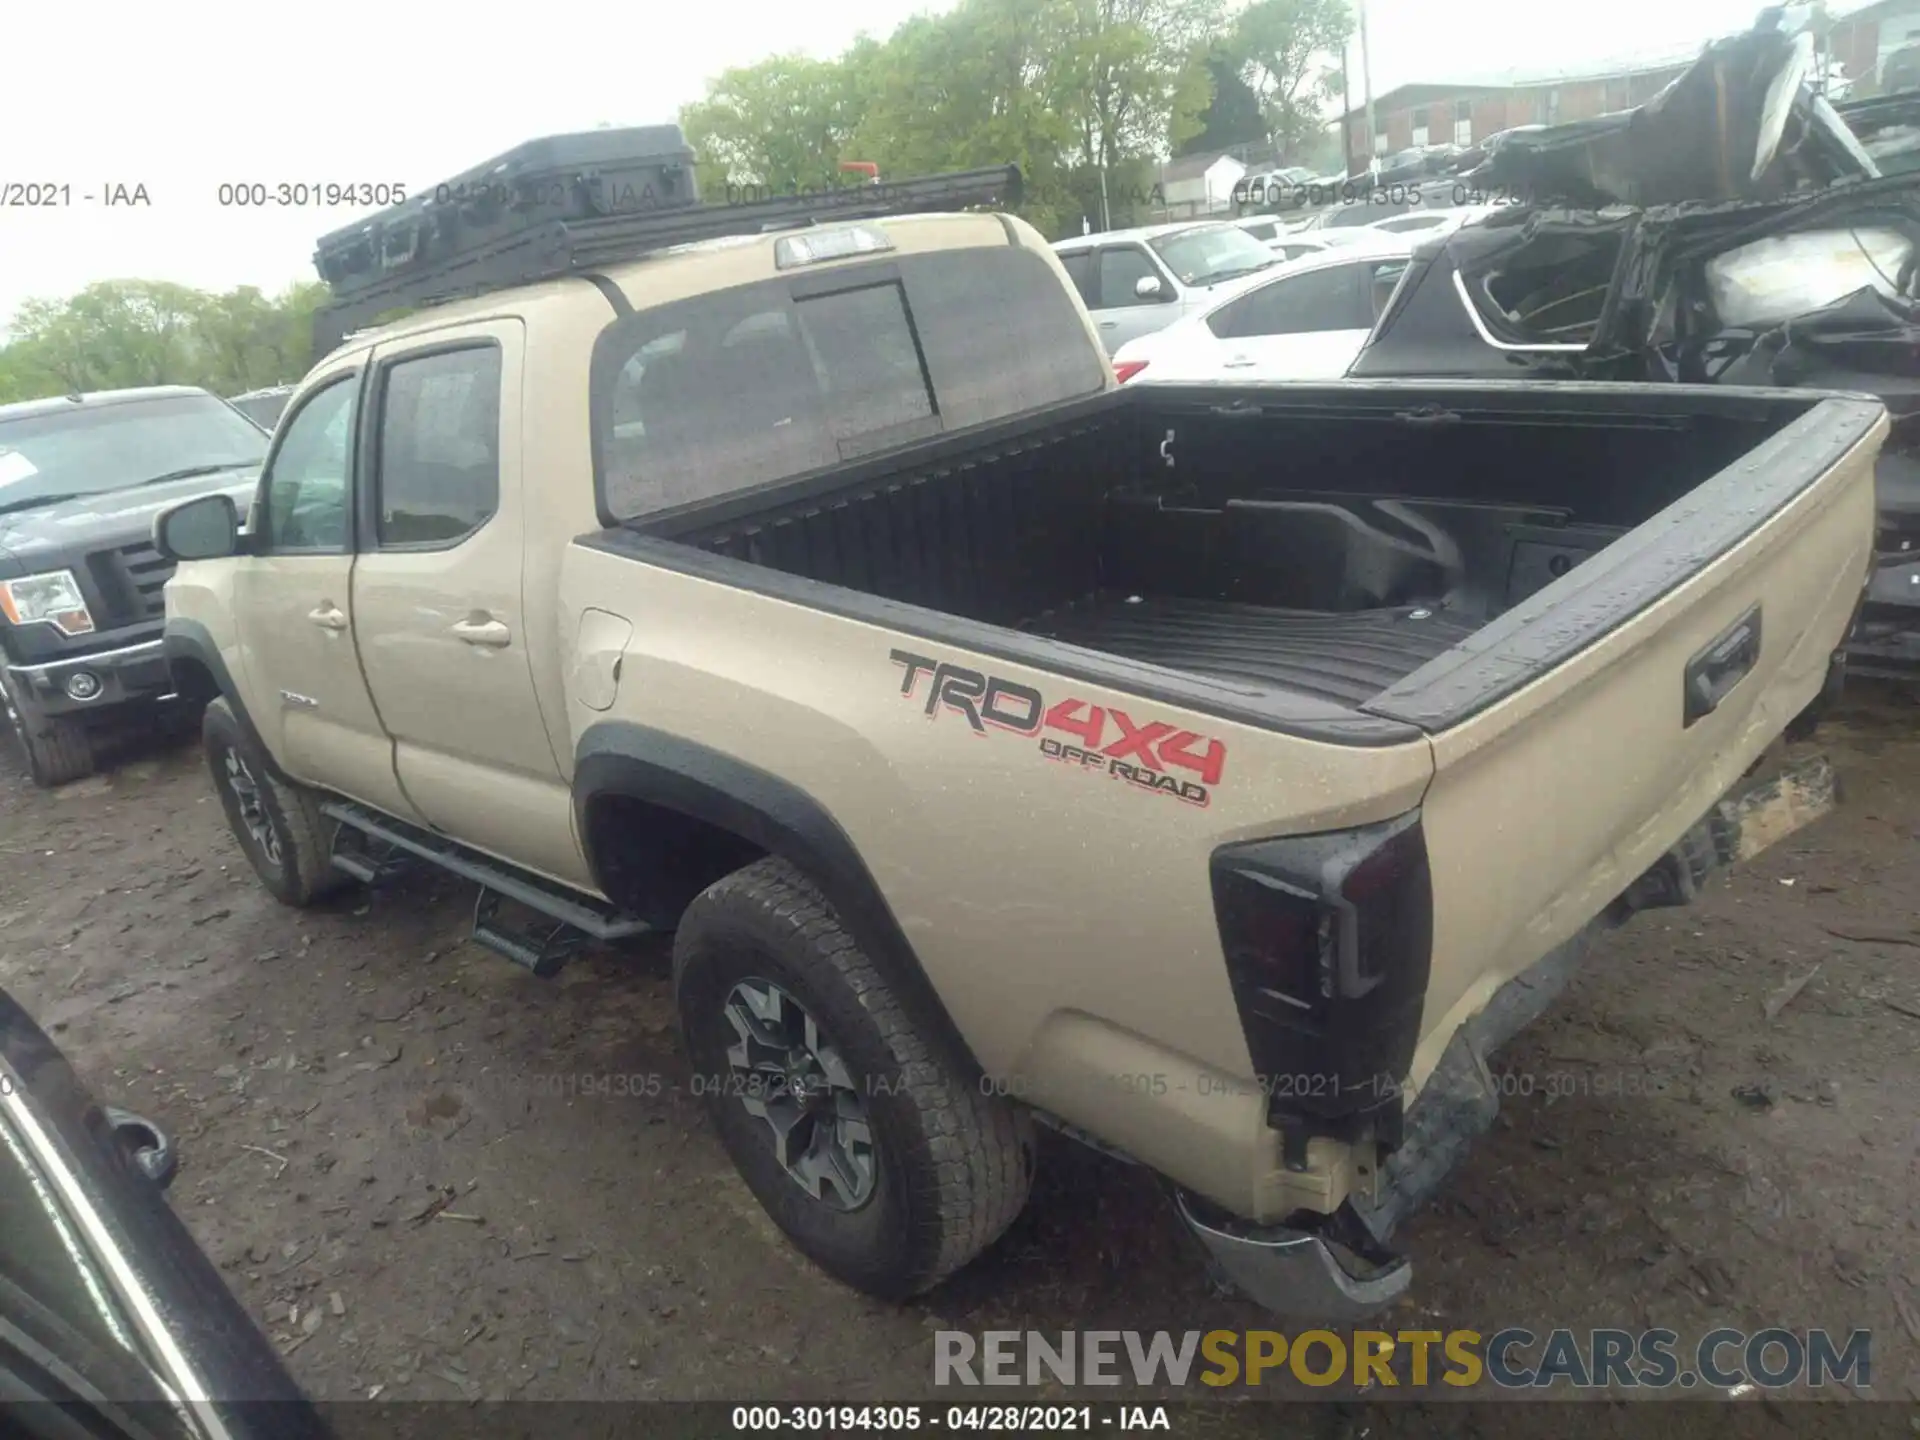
(1742, 123)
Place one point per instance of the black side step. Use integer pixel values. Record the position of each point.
(390, 843)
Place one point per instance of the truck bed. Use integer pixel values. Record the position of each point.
(1340, 658)
(1353, 562)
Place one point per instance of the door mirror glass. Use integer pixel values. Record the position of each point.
(1147, 287)
(203, 529)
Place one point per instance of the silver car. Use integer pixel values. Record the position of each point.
(1139, 281)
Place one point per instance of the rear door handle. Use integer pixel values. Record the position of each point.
(1723, 664)
(1238, 362)
(328, 616)
(483, 632)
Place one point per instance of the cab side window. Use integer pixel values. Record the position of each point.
(308, 478)
(1079, 267)
(1121, 268)
(439, 451)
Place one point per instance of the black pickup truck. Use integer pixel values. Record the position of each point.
(81, 478)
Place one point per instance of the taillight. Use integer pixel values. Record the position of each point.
(1125, 370)
(1328, 941)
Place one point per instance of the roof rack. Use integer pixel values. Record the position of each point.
(565, 247)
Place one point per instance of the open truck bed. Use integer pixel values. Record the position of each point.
(1344, 561)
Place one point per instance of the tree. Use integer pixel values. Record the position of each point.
(120, 333)
(1233, 116)
(781, 125)
(1133, 78)
(1291, 49)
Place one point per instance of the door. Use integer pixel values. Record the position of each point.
(294, 609)
(437, 596)
(1122, 315)
(1305, 327)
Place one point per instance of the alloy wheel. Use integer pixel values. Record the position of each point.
(253, 810)
(788, 1073)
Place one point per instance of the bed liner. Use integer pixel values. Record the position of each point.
(1345, 658)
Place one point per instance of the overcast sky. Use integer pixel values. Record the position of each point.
(368, 91)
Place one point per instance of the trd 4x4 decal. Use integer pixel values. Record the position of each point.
(1098, 737)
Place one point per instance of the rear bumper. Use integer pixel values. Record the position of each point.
(1293, 1272)
(130, 674)
(1886, 641)
(1461, 1097)
(1338, 1267)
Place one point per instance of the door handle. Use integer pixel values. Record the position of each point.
(328, 616)
(1238, 362)
(483, 632)
(1109, 324)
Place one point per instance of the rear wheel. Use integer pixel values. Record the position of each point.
(57, 749)
(867, 1142)
(287, 840)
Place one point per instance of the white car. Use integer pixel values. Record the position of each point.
(1303, 320)
(1425, 223)
(1138, 281)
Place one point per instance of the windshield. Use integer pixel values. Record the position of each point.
(90, 449)
(1215, 252)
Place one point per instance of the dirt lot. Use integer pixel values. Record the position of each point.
(335, 1077)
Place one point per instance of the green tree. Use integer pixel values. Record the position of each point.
(120, 333)
(781, 124)
(1292, 49)
(1135, 78)
(1233, 116)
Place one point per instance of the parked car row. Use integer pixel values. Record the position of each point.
(1140, 282)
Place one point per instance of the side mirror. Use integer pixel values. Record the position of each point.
(205, 528)
(1147, 287)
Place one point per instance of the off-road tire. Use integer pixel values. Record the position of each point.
(303, 872)
(954, 1163)
(58, 749)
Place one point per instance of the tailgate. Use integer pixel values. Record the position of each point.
(1580, 735)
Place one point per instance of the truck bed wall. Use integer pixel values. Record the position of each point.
(1330, 505)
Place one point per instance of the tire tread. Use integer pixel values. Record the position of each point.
(980, 1144)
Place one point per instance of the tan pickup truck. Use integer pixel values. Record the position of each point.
(1214, 774)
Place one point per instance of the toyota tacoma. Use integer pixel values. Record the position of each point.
(1215, 774)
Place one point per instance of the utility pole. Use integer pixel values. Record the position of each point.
(1346, 109)
(1366, 86)
(1106, 215)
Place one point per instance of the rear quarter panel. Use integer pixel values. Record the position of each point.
(1065, 917)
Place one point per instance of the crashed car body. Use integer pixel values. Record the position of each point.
(1647, 246)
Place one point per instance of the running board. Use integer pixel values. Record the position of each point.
(390, 844)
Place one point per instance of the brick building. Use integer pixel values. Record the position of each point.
(1860, 42)
(1863, 42)
(1462, 114)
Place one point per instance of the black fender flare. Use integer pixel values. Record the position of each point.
(638, 762)
(188, 641)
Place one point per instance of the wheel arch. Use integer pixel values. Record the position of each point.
(199, 673)
(661, 817)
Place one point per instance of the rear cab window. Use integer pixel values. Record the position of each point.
(752, 385)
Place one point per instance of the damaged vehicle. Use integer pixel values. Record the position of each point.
(1734, 230)
(1888, 128)
(1216, 773)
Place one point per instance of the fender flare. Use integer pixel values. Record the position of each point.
(190, 641)
(635, 761)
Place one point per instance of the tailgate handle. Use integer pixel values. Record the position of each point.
(1712, 674)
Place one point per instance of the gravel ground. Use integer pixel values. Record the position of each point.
(430, 1175)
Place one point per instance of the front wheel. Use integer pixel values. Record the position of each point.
(287, 840)
(57, 749)
(865, 1140)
